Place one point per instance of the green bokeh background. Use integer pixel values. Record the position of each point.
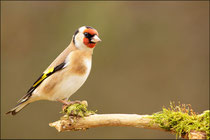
(151, 53)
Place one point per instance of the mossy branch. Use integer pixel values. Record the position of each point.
(180, 120)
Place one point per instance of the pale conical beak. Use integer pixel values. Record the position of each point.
(95, 39)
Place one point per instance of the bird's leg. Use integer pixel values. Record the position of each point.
(68, 103)
(74, 102)
(76, 108)
(63, 101)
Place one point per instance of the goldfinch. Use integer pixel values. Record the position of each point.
(66, 74)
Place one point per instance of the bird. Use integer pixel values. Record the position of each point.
(66, 74)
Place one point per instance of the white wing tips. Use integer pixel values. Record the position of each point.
(18, 108)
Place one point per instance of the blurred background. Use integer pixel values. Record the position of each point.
(151, 53)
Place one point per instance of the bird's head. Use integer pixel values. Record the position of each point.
(86, 37)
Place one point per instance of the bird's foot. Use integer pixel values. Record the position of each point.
(67, 103)
(70, 103)
(76, 108)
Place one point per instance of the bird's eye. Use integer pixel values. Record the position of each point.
(86, 34)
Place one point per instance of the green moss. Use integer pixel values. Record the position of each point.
(182, 119)
(77, 110)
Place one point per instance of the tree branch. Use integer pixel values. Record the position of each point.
(180, 120)
(100, 120)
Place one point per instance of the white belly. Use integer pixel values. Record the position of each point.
(69, 87)
(71, 84)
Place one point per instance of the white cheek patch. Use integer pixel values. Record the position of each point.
(79, 37)
(79, 41)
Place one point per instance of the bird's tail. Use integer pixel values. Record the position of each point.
(25, 100)
(17, 108)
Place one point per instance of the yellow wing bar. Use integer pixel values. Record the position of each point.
(44, 76)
